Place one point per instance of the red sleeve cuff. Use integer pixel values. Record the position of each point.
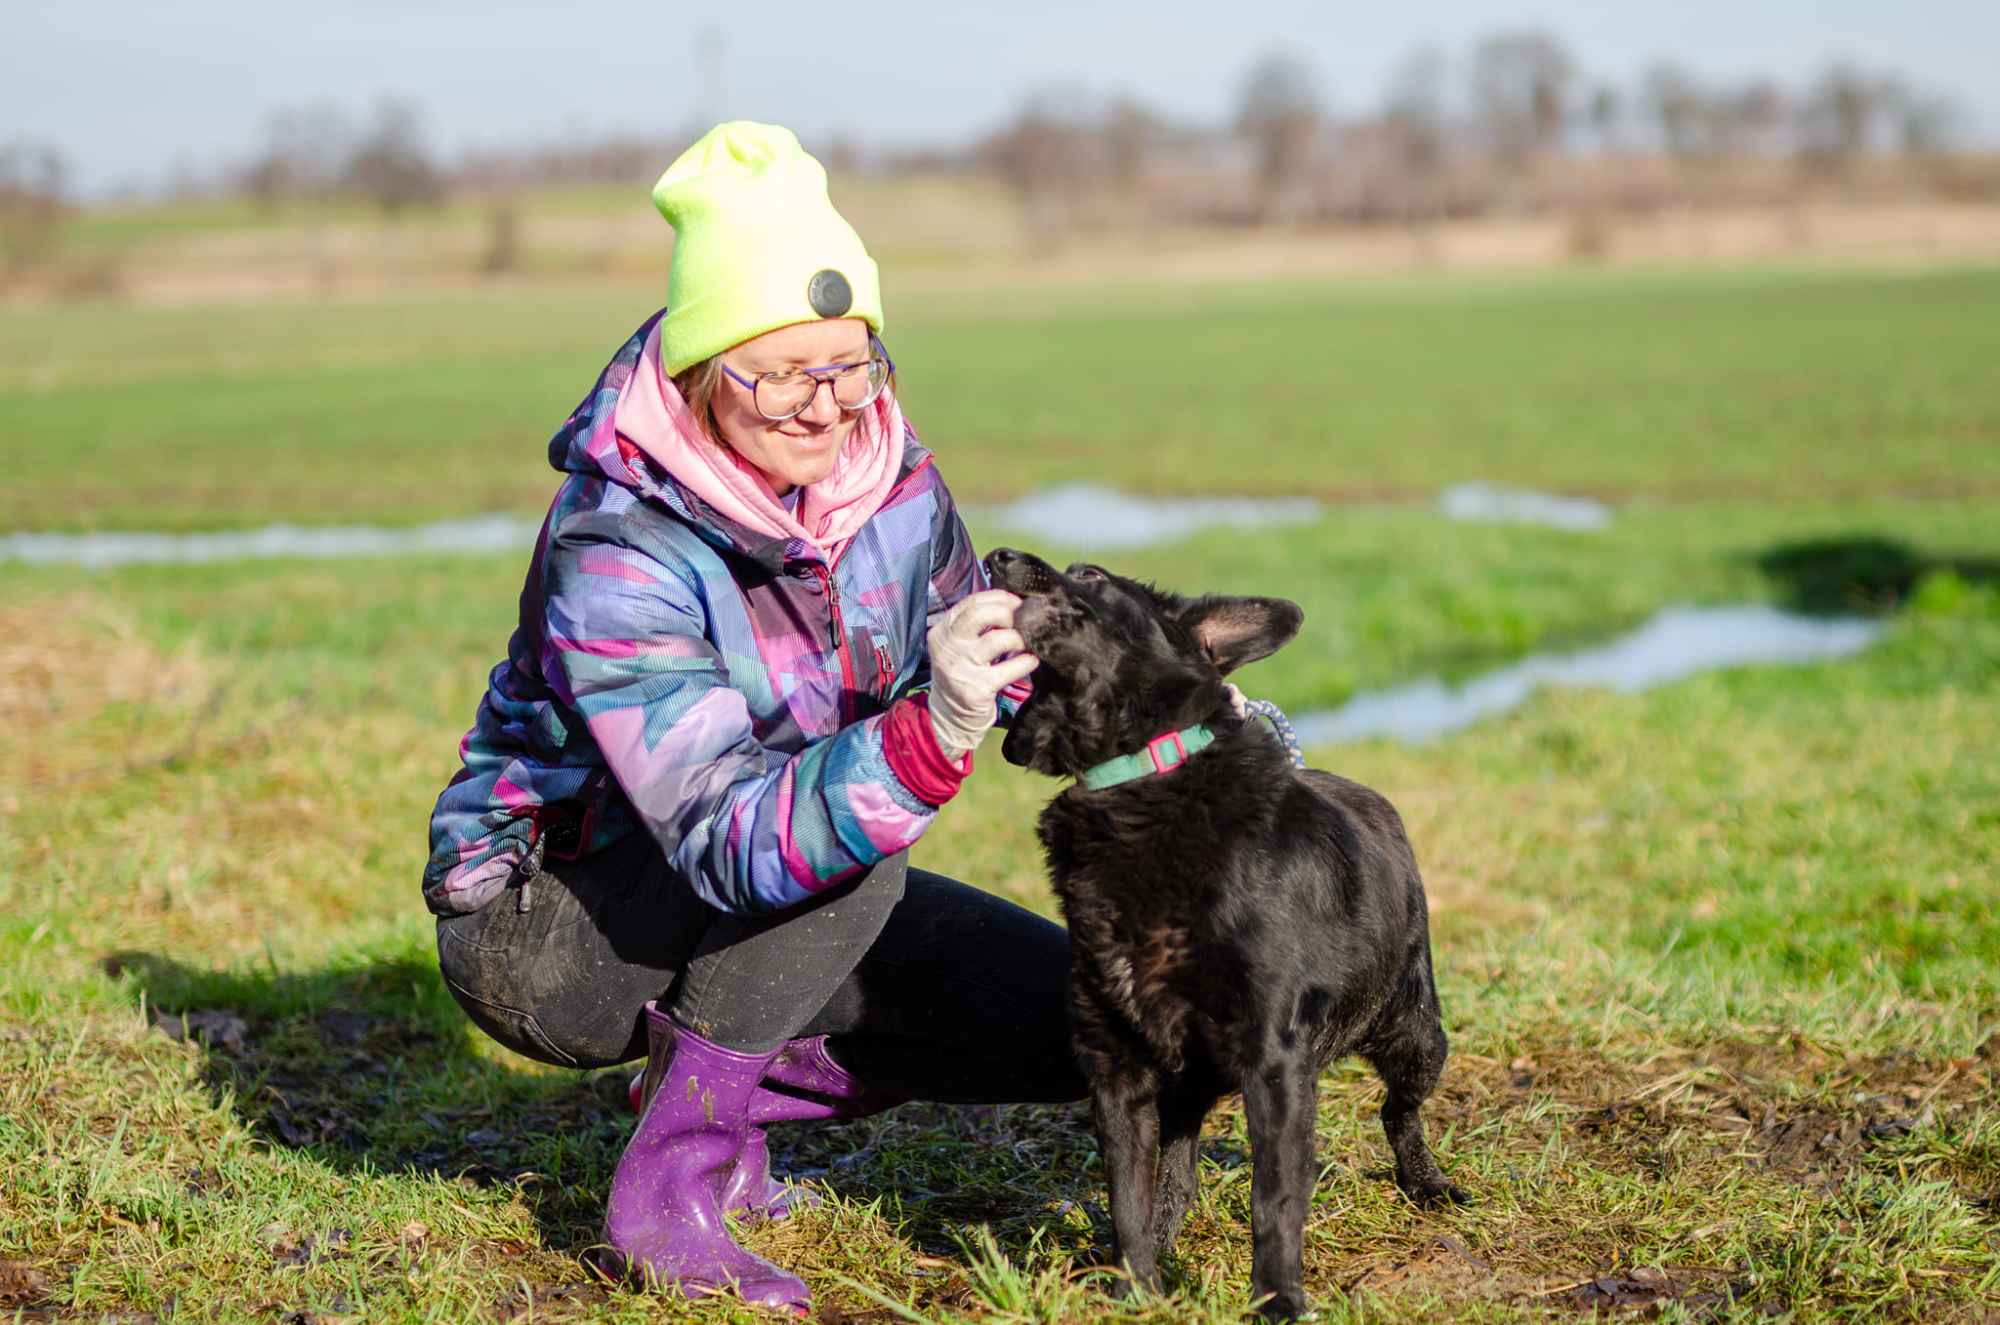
(910, 745)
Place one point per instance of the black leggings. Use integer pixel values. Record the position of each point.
(926, 987)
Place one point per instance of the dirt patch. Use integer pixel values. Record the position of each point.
(1443, 1266)
(1791, 1107)
(221, 1030)
(1646, 1292)
(23, 1285)
(529, 1302)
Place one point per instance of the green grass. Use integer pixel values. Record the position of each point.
(1720, 961)
(1767, 385)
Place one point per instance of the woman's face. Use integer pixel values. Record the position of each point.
(801, 450)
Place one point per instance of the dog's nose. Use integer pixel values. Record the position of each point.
(1000, 558)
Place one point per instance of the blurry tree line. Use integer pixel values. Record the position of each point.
(1514, 124)
(313, 153)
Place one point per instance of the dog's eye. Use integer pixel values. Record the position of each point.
(1086, 574)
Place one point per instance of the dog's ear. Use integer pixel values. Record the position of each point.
(1235, 631)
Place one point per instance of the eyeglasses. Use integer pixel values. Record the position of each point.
(790, 392)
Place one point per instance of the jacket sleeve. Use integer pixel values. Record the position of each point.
(956, 571)
(751, 829)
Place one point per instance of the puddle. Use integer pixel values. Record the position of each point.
(1076, 515)
(1079, 515)
(1482, 501)
(1678, 642)
(486, 533)
(1084, 515)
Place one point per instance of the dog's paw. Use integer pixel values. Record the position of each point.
(1284, 1306)
(1438, 1195)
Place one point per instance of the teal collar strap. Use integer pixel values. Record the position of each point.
(1162, 754)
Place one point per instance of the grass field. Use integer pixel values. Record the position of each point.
(1712, 385)
(1721, 961)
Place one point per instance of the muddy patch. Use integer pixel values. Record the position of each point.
(1791, 1109)
(1644, 1293)
(23, 1284)
(1798, 1121)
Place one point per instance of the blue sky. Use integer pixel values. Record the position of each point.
(127, 90)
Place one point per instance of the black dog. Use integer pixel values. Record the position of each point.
(1235, 923)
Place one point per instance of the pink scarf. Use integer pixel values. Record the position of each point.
(653, 416)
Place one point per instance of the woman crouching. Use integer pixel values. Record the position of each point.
(755, 654)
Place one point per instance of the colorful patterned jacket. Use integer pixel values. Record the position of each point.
(759, 712)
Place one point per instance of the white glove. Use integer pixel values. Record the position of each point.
(966, 679)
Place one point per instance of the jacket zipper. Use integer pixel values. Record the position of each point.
(838, 626)
(885, 674)
(839, 631)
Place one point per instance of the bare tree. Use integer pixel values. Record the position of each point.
(1925, 124)
(1746, 118)
(1130, 131)
(1675, 103)
(1840, 114)
(1604, 110)
(302, 155)
(503, 237)
(1279, 109)
(1045, 156)
(1396, 162)
(1520, 91)
(1414, 108)
(390, 165)
(842, 154)
(34, 179)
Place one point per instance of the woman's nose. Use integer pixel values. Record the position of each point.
(824, 409)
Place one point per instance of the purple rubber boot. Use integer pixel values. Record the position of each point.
(801, 1084)
(804, 1083)
(665, 1216)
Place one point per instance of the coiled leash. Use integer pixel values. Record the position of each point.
(1280, 725)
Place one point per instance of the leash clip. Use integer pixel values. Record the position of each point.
(1281, 727)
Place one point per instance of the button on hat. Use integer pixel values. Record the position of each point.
(829, 294)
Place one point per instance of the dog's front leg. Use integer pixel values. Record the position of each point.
(1279, 1106)
(1128, 1128)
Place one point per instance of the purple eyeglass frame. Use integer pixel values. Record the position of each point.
(818, 381)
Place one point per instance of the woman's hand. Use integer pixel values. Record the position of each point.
(967, 673)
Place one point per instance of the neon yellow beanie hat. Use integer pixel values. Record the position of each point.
(757, 244)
